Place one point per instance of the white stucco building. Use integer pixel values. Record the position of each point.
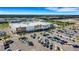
(29, 26)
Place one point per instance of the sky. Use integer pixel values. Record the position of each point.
(39, 10)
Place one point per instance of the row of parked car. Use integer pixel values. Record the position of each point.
(45, 42)
(7, 45)
(71, 33)
(59, 39)
(26, 41)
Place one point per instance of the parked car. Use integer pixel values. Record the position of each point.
(49, 37)
(6, 46)
(9, 42)
(75, 46)
(33, 36)
(0, 39)
(30, 43)
(23, 39)
(45, 34)
(61, 31)
(8, 49)
(47, 44)
(58, 48)
(51, 47)
(56, 38)
(44, 44)
(62, 42)
(39, 40)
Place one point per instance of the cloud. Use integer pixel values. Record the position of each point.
(64, 9)
(48, 11)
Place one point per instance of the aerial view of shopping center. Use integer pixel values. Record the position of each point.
(39, 29)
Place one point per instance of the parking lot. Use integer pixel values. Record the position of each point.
(49, 40)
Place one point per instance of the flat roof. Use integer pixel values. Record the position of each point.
(26, 24)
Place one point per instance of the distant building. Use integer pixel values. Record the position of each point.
(2, 20)
(30, 26)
